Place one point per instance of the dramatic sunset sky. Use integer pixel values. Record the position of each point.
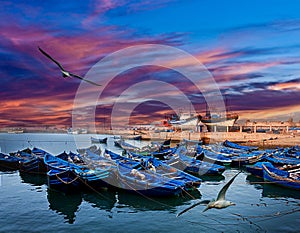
(251, 49)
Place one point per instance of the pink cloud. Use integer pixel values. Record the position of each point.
(285, 86)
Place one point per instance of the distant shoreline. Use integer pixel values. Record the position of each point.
(262, 140)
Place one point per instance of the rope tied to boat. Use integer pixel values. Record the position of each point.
(65, 182)
(182, 188)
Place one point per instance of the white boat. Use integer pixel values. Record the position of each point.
(218, 120)
(15, 131)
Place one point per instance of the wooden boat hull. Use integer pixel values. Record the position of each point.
(211, 157)
(281, 178)
(93, 179)
(36, 166)
(246, 160)
(161, 169)
(64, 180)
(9, 163)
(193, 166)
(257, 169)
(282, 160)
(237, 146)
(150, 186)
(99, 140)
(162, 154)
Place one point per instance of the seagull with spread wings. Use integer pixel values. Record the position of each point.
(65, 73)
(220, 203)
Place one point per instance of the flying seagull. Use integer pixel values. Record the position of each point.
(65, 73)
(220, 203)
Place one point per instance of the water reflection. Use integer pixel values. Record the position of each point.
(64, 204)
(143, 203)
(103, 200)
(33, 179)
(255, 181)
(272, 190)
(216, 178)
(68, 204)
(7, 169)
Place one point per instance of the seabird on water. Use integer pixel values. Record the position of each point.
(220, 203)
(65, 73)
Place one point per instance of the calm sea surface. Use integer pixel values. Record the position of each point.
(27, 205)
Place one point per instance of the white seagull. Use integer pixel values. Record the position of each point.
(65, 73)
(220, 203)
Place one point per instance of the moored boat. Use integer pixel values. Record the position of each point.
(280, 159)
(124, 145)
(213, 157)
(191, 165)
(9, 162)
(158, 168)
(35, 162)
(246, 159)
(64, 180)
(163, 169)
(144, 183)
(99, 140)
(69, 176)
(288, 179)
(238, 157)
(218, 120)
(257, 168)
(237, 146)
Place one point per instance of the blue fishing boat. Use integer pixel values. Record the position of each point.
(287, 179)
(156, 149)
(158, 168)
(289, 152)
(93, 148)
(64, 180)
(166, 144)
(213, 157)
(71, 157)
(67, 176)
(238, 157)
(161, 154)
(124, 145)
(144, 183)
(244, 159)
(192, 142)
(162, 168)
(257, 169)
(93, 160)
(138, 137)
(237, 146)
(62, 175)
(173, 173)
(9, 162)
(280, 159)
(64, 155)
(112, 155)
(188, 164)
(99, 140)
(34, 162)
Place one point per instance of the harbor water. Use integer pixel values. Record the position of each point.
(27, 205)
